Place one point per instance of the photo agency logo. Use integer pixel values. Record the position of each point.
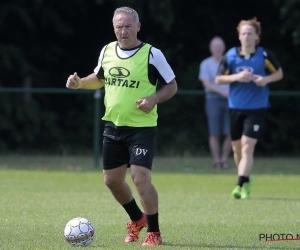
(279, 237)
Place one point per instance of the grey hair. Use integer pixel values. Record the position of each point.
(126, 10)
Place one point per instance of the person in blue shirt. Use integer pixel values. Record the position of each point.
(249, 69)
(216, 107)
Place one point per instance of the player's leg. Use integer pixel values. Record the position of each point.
(115, 163)
(253, 129)
(141, 177)
(246, 162)
(237, 151)
(243, 151)
(114, 179)
(237, 155)
(244, 168)
(236, 130)
(142, 153)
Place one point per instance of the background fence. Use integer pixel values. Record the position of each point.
(182, 125)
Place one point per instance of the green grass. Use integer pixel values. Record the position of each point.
(39, 195)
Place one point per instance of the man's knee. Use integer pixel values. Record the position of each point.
(114, 177)
(111, 181)
(248, 145)
(237, 147)
(141, 176)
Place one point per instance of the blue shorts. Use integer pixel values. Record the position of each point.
(217, 113)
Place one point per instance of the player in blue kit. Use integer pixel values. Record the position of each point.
(249, 69)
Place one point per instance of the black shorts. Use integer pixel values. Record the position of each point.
(250, 123)
(124, 145)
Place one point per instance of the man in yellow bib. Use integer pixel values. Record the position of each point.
(130, 71)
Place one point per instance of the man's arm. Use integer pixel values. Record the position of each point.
(166, 92)
(204, 77)
(274, 77)
(89, 82)
(146, 104)
(243, 76)
(208, 85)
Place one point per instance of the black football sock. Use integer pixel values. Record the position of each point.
(133, 210)
(242, 180)
(152, 221)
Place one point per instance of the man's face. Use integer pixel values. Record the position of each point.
(248, 36)
(126, 30)
(217, 47)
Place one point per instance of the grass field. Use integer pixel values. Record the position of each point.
(40, 194)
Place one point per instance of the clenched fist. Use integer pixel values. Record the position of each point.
(73, 82)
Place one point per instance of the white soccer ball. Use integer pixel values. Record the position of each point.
(79, 232)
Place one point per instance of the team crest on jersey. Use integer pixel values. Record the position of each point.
(122, 82)
(119, 78)
(242, 68)
(256, 127)
(119, 72)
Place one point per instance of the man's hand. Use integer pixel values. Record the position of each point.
(245, 76)
(260, 81)
(224, 93)
(146, 104)
(73, 82)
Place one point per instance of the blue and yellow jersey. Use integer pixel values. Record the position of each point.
(245, 96)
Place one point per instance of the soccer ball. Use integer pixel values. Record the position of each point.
(79, 232)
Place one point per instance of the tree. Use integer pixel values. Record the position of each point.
(290, 19)
(43, 41)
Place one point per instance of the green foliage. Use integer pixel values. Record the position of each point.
(159, 12)
(48, 40)
(289, 15)
(24, 125)
(34, 33)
